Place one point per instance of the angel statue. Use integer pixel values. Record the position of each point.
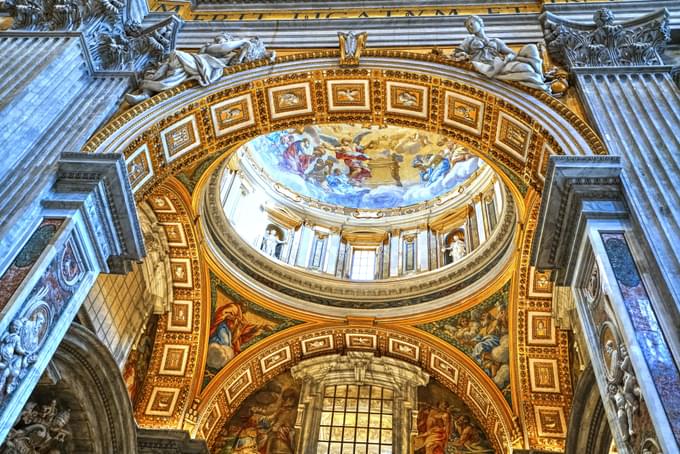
(206, 66)
(351, 46)
(493, 58)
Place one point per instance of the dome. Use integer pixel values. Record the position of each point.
(360, 167)
(332, 214)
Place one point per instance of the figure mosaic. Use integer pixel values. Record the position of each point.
(265, 422)
(483, 334)
(235, 325)
(445, 424)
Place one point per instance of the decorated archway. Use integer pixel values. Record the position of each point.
(187, 130)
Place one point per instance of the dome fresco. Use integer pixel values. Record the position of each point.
(375, 167)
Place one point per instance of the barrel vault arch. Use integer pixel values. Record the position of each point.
(513, 128)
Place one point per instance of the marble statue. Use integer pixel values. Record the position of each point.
(270, 242)
(456, 249)
(14, 356)
(206, 66)
(493, 58)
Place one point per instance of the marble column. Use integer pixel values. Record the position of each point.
(59, 83)
(86, 224)
(586, 236)
(631, 99)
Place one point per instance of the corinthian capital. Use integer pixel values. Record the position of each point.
(636, 42)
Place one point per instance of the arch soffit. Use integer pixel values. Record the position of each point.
(514, 128)
(87, 362)
(178, 390)
(251, 369)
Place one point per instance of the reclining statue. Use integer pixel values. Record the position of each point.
(206, 66)
(493, 58)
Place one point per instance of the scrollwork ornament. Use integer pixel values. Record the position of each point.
(637, 42)
(41, 430)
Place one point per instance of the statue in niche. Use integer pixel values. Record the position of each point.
(206, 66)
(43, 430)
(493, 58)
(456, 249)
(270, 244)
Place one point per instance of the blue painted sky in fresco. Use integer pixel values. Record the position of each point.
(366, 168)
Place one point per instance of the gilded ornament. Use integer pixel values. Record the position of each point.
(351, 46)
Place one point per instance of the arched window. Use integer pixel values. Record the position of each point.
(356, 403)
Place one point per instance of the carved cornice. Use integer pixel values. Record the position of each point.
(636, 42)
(576, 189)
(100, 183)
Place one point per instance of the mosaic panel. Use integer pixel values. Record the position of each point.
(174, 360)
(241, 382)
(232, 114)
(317, 344)
(407, 99)
(402, 348)
(541, 328)
(513, 136)
(174, 231)
(181, 273)
(162, 402)
(181, 316)
(275, 359)
(180, 138)
(360, 341)
(444, 367)
(139, 167)
(551, 421)
(289, 100)
(544, 375)
(463, 112)
(348, 95)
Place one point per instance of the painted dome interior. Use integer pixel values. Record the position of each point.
(355, 166)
